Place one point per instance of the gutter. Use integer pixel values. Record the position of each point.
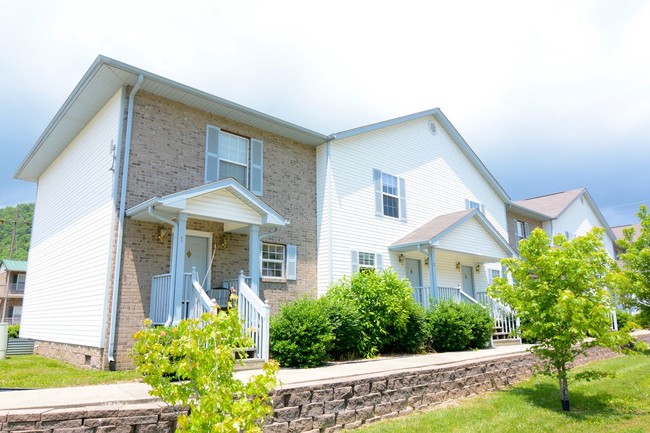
(120, 226)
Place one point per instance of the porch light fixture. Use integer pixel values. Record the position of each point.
(162, 234)
(458, 266)
(478, 268)
(401, 259)
(426, 262)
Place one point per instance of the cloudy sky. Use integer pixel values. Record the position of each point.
(551, 95)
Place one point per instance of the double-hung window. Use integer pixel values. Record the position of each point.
(229, 155)
(390, 196)
(521, 230)
(278, 261)
(364, 261)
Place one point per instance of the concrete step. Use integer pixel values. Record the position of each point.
(249, 364)
(506, 342)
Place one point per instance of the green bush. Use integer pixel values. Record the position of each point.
(385, 304)
(14, 331)
(454, 327)
(413, 340)
(301, 334)
(345, 319)
(623, 317)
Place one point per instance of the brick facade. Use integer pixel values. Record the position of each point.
(168, 156)
(511, 216)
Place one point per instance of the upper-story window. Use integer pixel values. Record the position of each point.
(390, 197)
(229, 155)
(470, 204)
(521, 230)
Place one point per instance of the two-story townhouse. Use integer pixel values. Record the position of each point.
(571, 213)
(411, 194)
(12, 289)
(140, 180)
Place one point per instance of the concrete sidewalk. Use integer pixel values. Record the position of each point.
(131, 393)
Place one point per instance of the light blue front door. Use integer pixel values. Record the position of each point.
(196, 255)
(468, 281)
(413, 272)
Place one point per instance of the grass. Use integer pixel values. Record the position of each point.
(618, 404)
(33, 371)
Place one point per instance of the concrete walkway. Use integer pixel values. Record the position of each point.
(131, 393)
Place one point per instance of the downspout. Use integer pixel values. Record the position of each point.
(117, 161)
(120, 226)
(174, 255)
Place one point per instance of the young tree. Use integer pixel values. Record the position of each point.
(192, 364)
(633, 282)
(560, 296)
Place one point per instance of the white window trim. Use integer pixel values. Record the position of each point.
(379, 195)
(283, 262)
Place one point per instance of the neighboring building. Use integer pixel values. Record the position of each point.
(411, 194)
(203, 183)
(571, 213)
(12, 289)
(619, 233)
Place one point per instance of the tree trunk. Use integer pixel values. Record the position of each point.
(564, 392)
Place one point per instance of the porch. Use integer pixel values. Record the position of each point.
(460, 255)
(214, 228)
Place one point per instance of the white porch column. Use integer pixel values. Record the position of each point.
(178, 284)
(432, 273)
(254, 253)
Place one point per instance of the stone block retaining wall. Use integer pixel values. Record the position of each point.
(319, 408)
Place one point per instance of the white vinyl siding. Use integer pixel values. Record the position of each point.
(70, 244)
(438, 176)
(577, 220)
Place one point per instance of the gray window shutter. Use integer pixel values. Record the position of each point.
(515, 228)
(379, 262)
(291, 262)
(402, 199)
(355, 261)
(257, 156)
(212, 153)
(379, 205)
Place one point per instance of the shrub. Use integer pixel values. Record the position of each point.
(623, 317)
(413, 340)
(453, 327)
(14, 331)
(301, 334)
(385, 303)
(447, 329)
(346, 327)
(480, 323)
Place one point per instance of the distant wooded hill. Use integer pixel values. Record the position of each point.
(23, 230)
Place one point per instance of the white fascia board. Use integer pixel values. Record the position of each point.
(474, 159)
(599, 215)
(382, 124)
(529, 212)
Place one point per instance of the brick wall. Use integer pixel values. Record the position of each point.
(323, 408)
(167, 156)
(532, 225)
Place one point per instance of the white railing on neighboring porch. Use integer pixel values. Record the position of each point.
(234, 283)
(255, 316)
(159, 307)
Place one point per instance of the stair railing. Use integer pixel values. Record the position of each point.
(255, 316)
(197, 300)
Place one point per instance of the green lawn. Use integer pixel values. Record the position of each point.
(32, 371)
(619, 404)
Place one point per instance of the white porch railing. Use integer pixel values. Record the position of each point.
(254, 313)
(234, 283)
(196, 300)
(255, 316)
(159, 307)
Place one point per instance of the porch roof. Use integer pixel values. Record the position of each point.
(441, 232)
(13, 265)
(225, 201)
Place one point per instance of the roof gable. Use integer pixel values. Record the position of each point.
(551, 204)
(105, 78)
(451, 131)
